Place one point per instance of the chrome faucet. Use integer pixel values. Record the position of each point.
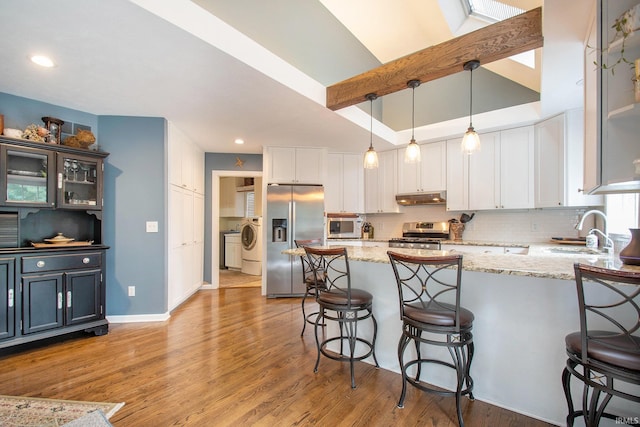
(608, 245)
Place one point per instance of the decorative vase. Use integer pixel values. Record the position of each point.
(631, 253)
(455, 231)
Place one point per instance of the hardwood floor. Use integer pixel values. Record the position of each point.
(237, 279)
(228, 357)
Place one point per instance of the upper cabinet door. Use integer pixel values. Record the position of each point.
(429, 175)
(619, 112)
(433, 167)
(457, 177)
(484, 173)
(516, 168)
(79, 182)
(309, 165)
(353, 183)
(28, 177)
(288, 165)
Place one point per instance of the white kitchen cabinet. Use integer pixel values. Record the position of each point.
(428, 175)
(233, 250)
(185, 218)
(186, 161)
(287, 165)
(499, 176)
(559, 162)
(517, 168)
(484, 173)
(380, 184)
(619, 112)
(344, 186)
(457, 177)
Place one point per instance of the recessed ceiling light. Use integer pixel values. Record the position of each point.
(43, 61)
(239, 141)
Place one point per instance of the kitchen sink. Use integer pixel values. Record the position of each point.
(572, 251)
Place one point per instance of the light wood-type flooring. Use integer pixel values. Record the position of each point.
(237, 279)
(228, 357)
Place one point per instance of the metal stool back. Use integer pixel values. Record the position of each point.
(311, 284)
(429, 295)
(341, 303)
(605, 353)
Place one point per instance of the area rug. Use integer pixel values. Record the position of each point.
(18, 411)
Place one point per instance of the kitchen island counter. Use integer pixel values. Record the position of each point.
(543, 261)
(524, 306)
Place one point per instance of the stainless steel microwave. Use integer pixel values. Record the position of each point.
(344, 227)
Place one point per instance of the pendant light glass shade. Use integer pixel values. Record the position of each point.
(470, 140)
(371, 157)
(412, 152)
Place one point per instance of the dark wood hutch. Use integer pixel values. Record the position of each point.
(49, 190)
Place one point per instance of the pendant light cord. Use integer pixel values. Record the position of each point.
(413, 112)
(471, 98)
(370, 122)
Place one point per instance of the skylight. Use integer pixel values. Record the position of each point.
(491, 10)
(494, 11)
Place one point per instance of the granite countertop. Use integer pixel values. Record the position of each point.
(544, 261)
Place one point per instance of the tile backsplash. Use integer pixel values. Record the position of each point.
(512, 226)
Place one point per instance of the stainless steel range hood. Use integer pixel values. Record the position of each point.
(422, 198)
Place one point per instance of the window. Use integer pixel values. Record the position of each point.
(622, 212)
(249, 198)
(491, 10)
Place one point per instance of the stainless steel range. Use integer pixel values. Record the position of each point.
(421, 235)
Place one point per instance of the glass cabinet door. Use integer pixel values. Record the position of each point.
(79, 182)
(26, 177)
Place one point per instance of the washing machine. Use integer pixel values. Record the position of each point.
(251, 237)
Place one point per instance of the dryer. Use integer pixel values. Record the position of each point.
(251, 237)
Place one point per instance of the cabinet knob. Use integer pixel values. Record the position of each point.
(40, 264)
(86, 260)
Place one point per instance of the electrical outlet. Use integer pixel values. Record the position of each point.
(152, 226)
(534, 226)
(132, 291)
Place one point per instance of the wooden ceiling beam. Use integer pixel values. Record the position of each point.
(497, 41)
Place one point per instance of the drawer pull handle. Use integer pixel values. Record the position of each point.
(59, 300)
(40, 264)
(86, 260)
(68, 299)
(10, 297)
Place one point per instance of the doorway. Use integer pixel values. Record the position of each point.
(227, 218)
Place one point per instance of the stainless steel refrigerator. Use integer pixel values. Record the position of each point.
(293, 212)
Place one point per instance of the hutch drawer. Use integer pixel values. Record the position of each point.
(35, 264)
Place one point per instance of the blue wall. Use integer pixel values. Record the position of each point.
(224, 162)
(135, 179)
(21, 112)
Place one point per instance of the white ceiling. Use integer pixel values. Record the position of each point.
(173, 59)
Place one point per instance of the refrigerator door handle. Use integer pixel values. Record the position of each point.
(291, 225)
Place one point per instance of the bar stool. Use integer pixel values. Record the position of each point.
(429, 293)
(605, 353)
(311, 289)
(340, 302)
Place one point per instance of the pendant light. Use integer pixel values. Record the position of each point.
(412, 153)
(371, 157)
(470, 140)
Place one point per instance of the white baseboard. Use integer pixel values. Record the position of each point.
(139, 318)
